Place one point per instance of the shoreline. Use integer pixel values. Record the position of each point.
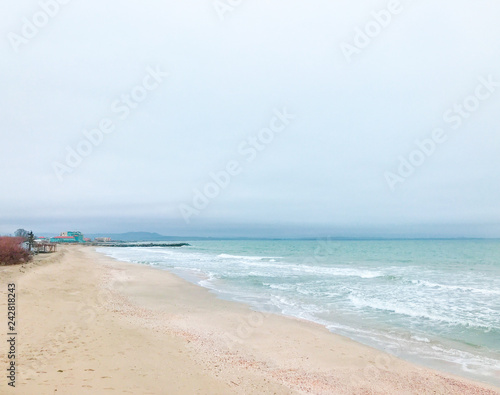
(426, 349)
(440, 365)
(79, 309)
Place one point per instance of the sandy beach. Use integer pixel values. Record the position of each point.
(88, 324)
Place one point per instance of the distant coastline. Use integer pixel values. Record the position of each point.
(153, 237)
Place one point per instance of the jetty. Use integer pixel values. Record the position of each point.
(139, 244)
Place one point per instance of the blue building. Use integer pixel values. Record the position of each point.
(68, 237)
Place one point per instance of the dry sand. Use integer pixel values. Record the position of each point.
(88, 324)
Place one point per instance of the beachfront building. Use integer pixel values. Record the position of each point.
(63, 239)
(102, 239)
(68, 237)
(78, 236)
(43, 245)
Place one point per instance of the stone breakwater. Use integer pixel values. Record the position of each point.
(119, 244)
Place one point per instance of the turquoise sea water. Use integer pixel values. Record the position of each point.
(434, 302)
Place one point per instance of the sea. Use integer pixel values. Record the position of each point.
(432, 302)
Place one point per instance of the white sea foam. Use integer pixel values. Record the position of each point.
(404, 306)
(249, 258)
(420, 339)
(456, 287)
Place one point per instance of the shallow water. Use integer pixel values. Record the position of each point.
(434, 302)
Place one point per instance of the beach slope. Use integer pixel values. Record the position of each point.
(88, 324)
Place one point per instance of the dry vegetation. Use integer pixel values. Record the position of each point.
(12, 252)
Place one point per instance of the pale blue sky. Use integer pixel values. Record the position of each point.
(325, 173)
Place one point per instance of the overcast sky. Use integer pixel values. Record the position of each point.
(333, 166)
